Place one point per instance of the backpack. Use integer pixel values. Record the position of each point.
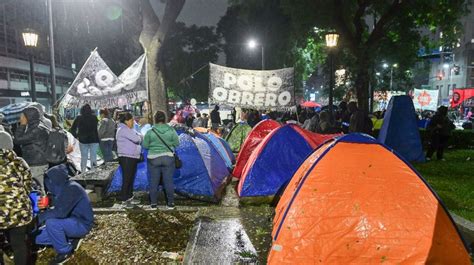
(56, 148)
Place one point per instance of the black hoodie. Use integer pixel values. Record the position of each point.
(33, 138)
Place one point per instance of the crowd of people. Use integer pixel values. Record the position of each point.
(36, 157)
(36, 163)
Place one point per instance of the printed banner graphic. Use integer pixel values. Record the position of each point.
(251, 89)
(463, 96)
(424, 99)
(99, 87)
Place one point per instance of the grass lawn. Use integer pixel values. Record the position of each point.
(453, 180)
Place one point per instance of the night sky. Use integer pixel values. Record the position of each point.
(199, 12)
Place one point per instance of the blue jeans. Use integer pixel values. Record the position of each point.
(106, 149)
(57, 232)
(85, 150)
(162, 167)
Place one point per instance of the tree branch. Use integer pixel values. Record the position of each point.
(172, 10)
(150, 22)
(342, 27)
(380, 28)
(358, 20)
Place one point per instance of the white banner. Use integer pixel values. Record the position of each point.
(424, 99)
(99, 87)
(252, 89)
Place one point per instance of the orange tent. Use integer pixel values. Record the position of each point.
(354, 201)
(254, 138)
(205, 130)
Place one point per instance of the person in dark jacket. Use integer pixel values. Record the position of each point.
(440, 128)
(215, 118)
(70, 220)
(84, 128)
(106, 135)
(360, 121)
(32, 137)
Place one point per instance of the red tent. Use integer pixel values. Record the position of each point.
(257, 134)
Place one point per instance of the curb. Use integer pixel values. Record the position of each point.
(466, 228)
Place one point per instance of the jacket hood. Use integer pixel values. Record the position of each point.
(162, 128)
(56, 179)
(32, 115)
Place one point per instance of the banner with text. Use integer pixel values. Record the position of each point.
(252, 88)
(99, 87)
(424, 99)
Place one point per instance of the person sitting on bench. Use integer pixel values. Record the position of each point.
(71, 217)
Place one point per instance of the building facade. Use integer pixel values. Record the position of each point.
(15, 83)
(451, 69)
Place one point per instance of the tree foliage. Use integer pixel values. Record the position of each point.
(188, 50)
(374, 30)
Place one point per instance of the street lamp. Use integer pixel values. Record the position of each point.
(252, 44)
(395, 65)
(331, 42)
(30, 39)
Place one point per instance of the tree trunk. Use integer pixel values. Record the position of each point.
(362, 83)
(158, 94)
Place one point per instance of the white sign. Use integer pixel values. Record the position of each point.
(424, 99)
(251, 89)
(99, 87)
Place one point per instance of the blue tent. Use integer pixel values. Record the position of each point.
(222, 147)
(276, 159)
(400, 129)
(203, 175)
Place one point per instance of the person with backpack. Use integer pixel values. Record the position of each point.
(161, 142)
(129, 152)
(32, 136)
(58, 144)
(84, 128)
(106, 135)
(16, 211)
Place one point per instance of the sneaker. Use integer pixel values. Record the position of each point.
(61, 258)
(127, 205)
(133, 201)
(428, 159)
(153, 206)
(170, 207)
(76, 243)
(118, 206)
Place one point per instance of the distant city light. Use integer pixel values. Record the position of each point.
(395, 65)
(377, 74)
(385, 65)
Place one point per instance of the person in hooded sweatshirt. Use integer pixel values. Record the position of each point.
(32, 137)
(161, 142)
(70, 220)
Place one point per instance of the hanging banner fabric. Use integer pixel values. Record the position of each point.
(424, 99)
(465, 95)
(252, 89)
(99, 87)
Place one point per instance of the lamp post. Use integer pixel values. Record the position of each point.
(331, 43)
(30, 39)
(385, 65)
(252, 44)
(52, 63)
